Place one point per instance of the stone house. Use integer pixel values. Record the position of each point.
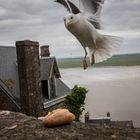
(53, 89)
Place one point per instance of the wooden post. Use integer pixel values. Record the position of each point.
(86, 117)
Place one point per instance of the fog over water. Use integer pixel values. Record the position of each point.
(113, 89)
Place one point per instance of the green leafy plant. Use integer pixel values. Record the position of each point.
(74, 101)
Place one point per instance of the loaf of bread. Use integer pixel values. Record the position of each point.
(58, 117)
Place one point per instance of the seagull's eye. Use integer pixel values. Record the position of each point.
(71, 17)
(64, 19)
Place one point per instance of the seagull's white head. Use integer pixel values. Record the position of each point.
(70, 19)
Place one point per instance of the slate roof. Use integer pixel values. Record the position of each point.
(61, 87)
(7, 92)
(9, 70)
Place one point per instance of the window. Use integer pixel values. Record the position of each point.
(45, 92)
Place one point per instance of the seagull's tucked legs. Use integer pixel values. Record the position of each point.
(93, 54)
(93, 58)
(85, 65)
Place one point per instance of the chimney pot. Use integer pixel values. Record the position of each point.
(45, 51)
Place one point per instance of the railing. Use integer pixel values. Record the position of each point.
(53, 102)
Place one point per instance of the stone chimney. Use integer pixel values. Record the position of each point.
(45, 51)
(29, 77)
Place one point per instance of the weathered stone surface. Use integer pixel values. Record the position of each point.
(29, 77)
(27, 43)
(17, 126)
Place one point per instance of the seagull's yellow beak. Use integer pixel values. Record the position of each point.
(67, 22)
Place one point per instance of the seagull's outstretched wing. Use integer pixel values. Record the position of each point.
(92, 6)
(72, 8)
(92, 9)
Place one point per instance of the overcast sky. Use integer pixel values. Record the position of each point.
(42, 20)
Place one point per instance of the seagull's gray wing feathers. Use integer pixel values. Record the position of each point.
(96, 23)
(92, 6)
(92, 9)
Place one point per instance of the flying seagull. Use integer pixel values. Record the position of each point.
(83, 24)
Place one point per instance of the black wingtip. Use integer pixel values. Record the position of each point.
(73, 9)
(59, 1)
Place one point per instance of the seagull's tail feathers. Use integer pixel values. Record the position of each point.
(106, 45)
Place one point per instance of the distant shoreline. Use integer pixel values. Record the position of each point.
(116, 60)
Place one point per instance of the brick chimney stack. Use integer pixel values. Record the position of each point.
(45, 51)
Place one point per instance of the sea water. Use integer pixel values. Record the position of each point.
(111, 89)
